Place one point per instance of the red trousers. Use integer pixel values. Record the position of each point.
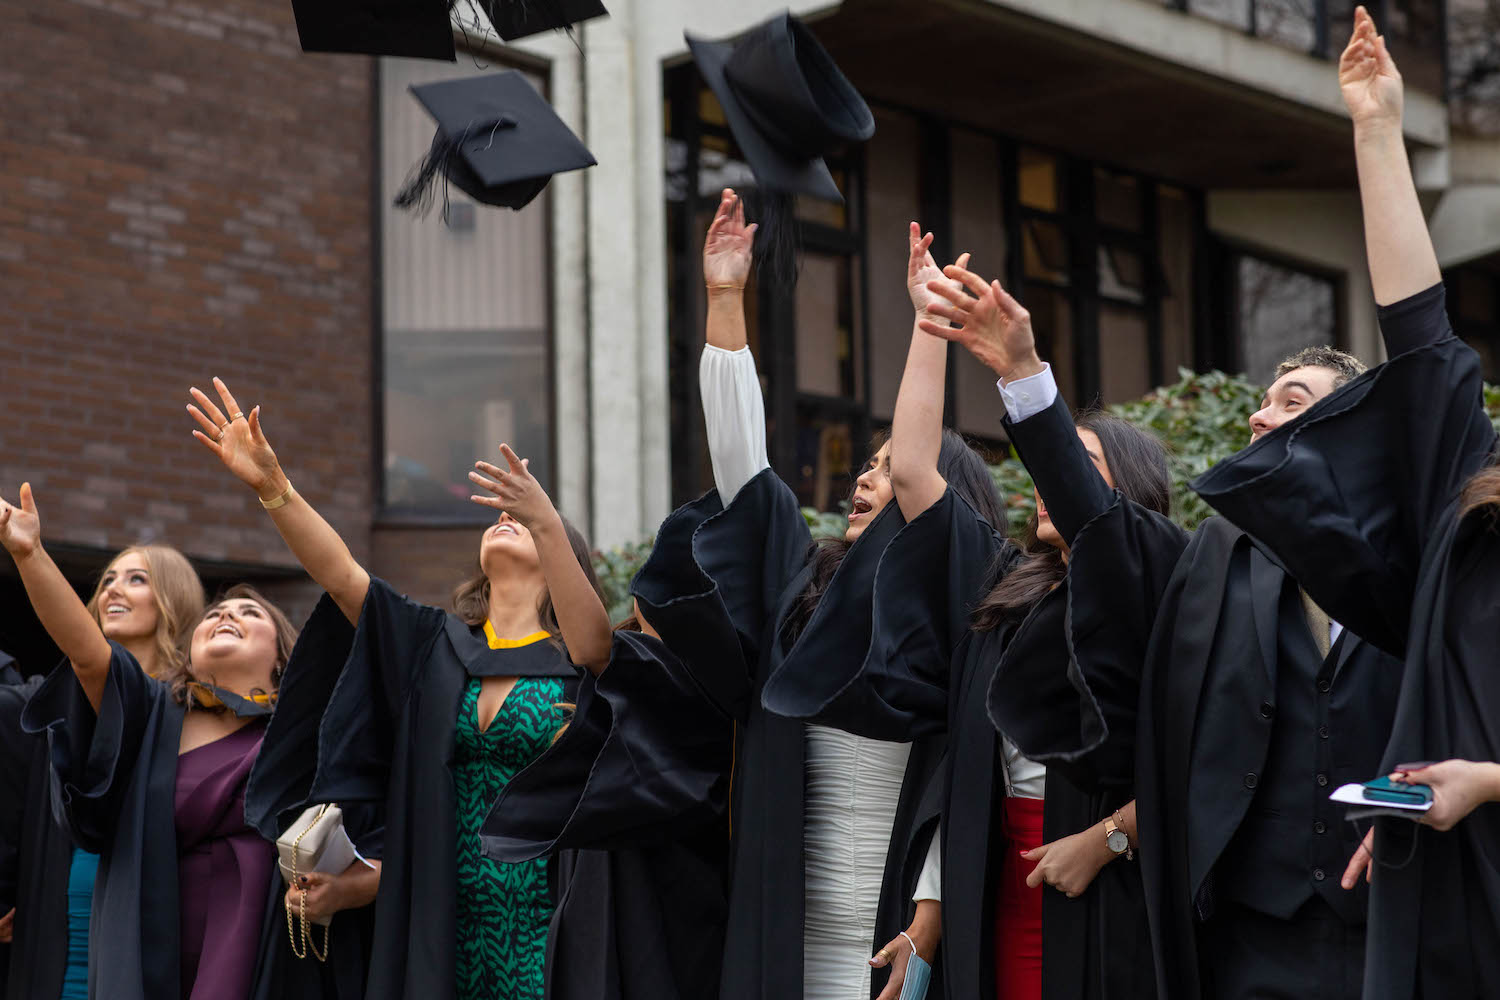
(1018, 909)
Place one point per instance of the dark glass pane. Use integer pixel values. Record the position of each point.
(1232, 12)
(1045, 250)
(1474, 71)
(826, 460)
(1117, 200)
(1175, 246)
(1052, 322)
(1293, 23)
(1039, 181)
(1122, 274)
(1124, 354)
(1281, 310)
(826, 348)
(1414, 34)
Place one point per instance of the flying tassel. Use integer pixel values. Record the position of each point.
(416, 193)
(776, 241)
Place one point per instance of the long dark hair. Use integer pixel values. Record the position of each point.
(1138, 463)
(964, 470)
(471, 601)
(1482, 493)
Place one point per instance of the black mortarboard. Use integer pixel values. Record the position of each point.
(519, 18)
(786, 103)
(417, 28)
(497, 140)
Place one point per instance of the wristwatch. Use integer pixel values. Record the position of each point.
(1116, 838)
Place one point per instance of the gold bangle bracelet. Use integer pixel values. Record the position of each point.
(722, 288)
(278, 501)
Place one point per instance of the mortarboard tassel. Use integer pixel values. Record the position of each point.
(776, 242)
(443, 155)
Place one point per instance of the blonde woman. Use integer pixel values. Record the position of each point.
(147, 599)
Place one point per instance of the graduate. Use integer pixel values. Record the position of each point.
(830, 863)
(433, 714)
(1383, 500)
(150, 774)
(148, 599)
(913, 647)
(1249, 704)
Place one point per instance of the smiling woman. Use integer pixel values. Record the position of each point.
(150, 759)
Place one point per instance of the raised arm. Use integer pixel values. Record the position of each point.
(62, 614)
(733, 410)
(240, 443)
(580, 613)
(1402, 260)
(917, 429)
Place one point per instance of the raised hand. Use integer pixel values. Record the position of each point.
(516, 492)
(1368, 77)
(238, 440)
(727, 247)
(991, 325)
(921, 269)
(20, 527)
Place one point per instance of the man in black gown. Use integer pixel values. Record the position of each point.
(1250, 706)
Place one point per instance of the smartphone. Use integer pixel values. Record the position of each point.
(1383, 789)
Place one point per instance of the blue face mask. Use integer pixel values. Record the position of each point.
(918, 975)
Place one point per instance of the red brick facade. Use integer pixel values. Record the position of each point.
(183, 194)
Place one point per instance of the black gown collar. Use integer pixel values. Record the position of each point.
(541, 658)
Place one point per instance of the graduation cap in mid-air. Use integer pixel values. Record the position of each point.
(788, 106)
(424, 28)
(497, 140)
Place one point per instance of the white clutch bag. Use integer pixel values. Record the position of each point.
(316, 842)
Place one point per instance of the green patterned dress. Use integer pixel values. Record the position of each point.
(503, 909)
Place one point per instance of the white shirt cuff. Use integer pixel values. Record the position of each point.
(930, 882)
(1026, 397)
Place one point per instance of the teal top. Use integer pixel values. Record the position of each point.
(80, 901)
(503, 909)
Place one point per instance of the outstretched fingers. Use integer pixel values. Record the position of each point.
(207, 410)
(230, 406)
(941, 331)
(517, 463)
(973, 282)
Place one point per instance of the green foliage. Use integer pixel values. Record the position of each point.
(1202, 419)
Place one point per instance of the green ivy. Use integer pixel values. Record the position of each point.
(1203, 418)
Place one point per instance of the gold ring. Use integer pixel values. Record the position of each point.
(237, 415)
(220, 438)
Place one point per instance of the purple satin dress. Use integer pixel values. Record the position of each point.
(223, 868)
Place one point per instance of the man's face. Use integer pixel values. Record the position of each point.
(1290, 396)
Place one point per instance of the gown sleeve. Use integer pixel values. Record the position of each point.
(282, 777)
(644, 758)
(16, 750)
(1068, 687)
(93, 756)
(875, 656)
(715, 578)
(375, 668)
(1349, 495)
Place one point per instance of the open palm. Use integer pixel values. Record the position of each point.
(1368, 77)
(237, 439)
(727, 248)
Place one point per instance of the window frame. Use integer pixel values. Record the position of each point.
(495, 58)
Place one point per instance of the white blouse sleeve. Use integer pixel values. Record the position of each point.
(930, 882)
(736, 417)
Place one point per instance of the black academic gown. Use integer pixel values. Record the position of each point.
(276, 795)
(895, 654)
(1360, 498)
(1153, 613)
(642, 771)
(114, 776)
(718, 587)
(35, 855)
(385, 734)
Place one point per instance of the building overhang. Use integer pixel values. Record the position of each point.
(1465, 226)
(1131, 83)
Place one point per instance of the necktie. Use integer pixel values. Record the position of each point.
(1318, 621)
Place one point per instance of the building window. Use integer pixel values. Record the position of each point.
(466, 322)
(1280, 309)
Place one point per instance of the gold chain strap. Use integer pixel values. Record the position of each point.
(307, 942)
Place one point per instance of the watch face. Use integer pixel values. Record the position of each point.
(1117, 841)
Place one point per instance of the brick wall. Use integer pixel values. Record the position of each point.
(183, 194)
